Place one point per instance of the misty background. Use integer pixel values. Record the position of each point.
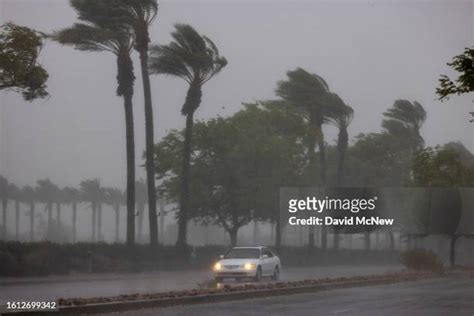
(370, 53)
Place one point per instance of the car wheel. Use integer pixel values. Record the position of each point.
(276, 274)
(258, 275)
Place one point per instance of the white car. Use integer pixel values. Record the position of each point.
(247, 262)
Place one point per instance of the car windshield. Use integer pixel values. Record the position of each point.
(243, 253)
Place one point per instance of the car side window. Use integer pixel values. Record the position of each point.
(267, 252)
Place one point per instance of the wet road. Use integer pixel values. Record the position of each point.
(443, 297)
(52, 288)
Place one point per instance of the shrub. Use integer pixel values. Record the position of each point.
(8, 263)
(421, 259)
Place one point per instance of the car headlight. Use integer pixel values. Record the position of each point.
(218, 266)
(250, 266)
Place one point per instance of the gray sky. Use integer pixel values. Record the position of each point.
(370, 53)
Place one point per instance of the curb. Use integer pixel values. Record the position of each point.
(211, 298)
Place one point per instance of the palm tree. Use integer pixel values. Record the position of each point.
(101, 200)
(15, 194)
(115, 197)
(141, 200)
(102, 32)
(139, 14)
(92, 192)
(340, 115)
(72, 196)
(310, 94)
(4, 197)
(195, 59)
(404, 119)
(46, 192)
(29, 196)
(59, 199)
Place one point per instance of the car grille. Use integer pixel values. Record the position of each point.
(229, 274)
(231, 266)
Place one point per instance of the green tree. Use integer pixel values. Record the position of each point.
(464, 83)
(103, 31)
(19, 68)
(442, 168)
(239, 163)
(195, 59)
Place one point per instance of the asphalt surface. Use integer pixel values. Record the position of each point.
(52, 288)
(444, 297)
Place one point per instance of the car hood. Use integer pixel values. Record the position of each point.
(237, 261)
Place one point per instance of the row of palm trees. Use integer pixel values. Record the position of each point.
(119, 27)
(53, 198)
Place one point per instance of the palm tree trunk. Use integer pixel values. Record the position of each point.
(117, 221)
(17, 220)
(322, 174)
(50, 219)
(74, 220)
(185, 178)
(150, 163)
(312, 157)
(4, 218)
(58, 218)
(277, 229)
(342, 143)
(99, 221)
(391, 239)
(255, 232)
(130, 140)
(32, 221)
(335, 239)
(322, 161)
(93, 221)
(311, 230)
(162, 222)
(141, 213)
(367, 241)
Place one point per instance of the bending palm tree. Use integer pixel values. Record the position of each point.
(309, 93)
(195, 59)
(139, 14)
(404, 119)
(102, 33)
(340, 115)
